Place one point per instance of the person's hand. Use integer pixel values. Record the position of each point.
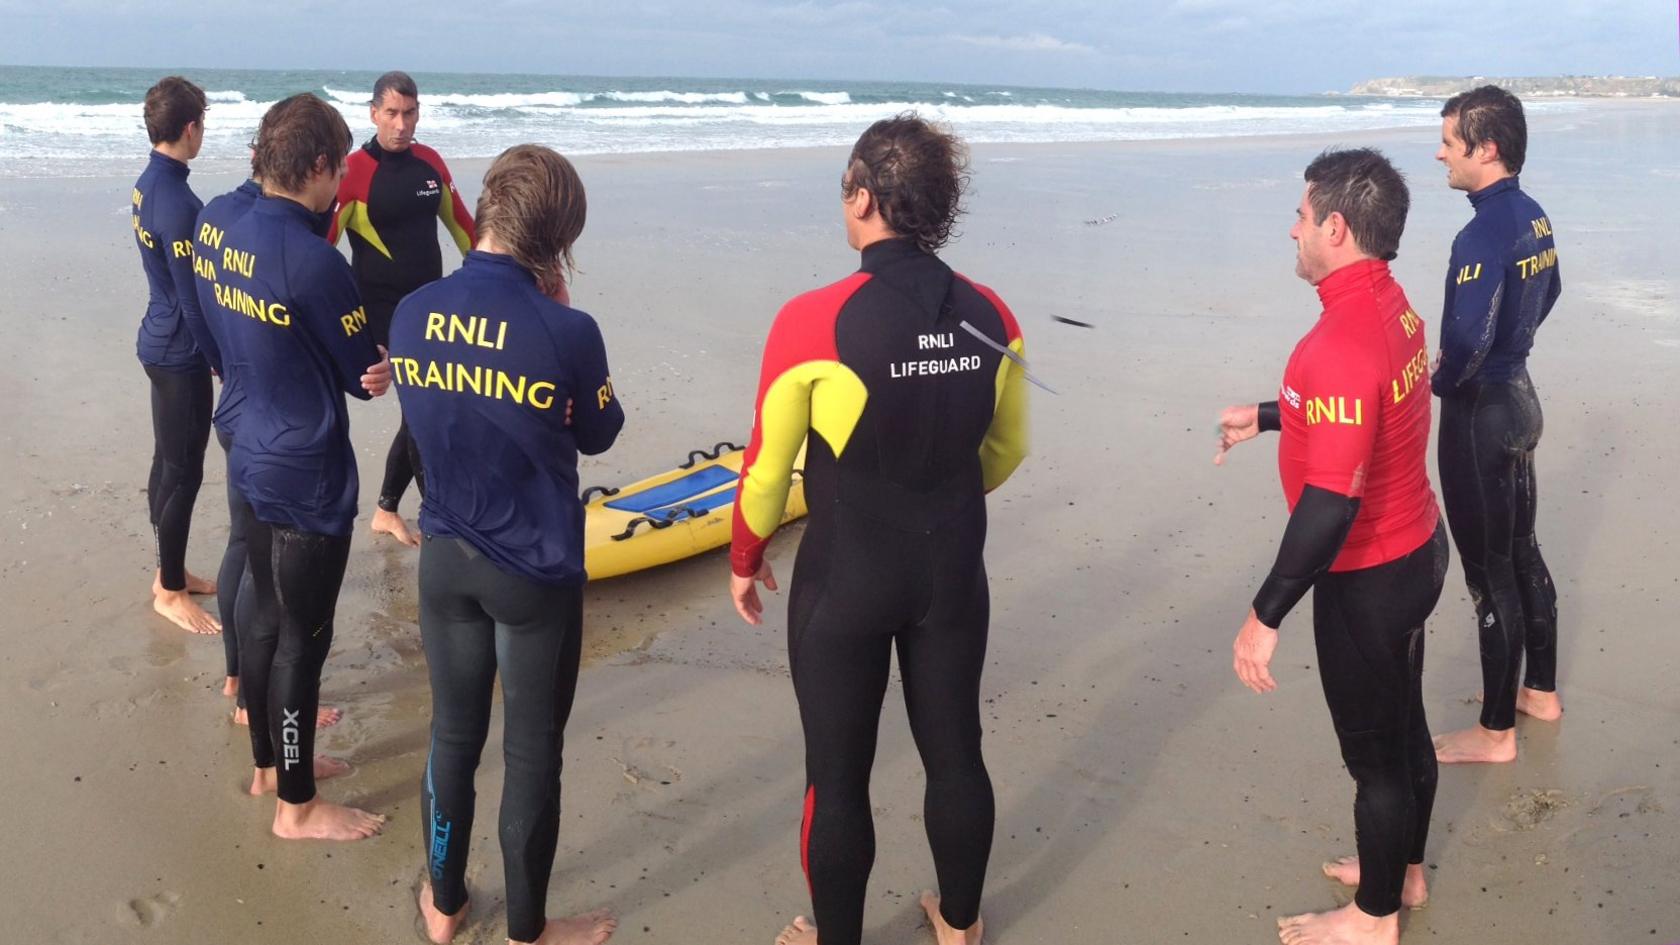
(744, 591)
(568, 421)
(1253, 654)
(1235, 425)
(1434, 365)
(377, 379)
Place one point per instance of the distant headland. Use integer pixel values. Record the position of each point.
(1580, 86)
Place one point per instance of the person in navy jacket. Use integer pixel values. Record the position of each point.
(292, 336)
(1501, 284)
(171, 343)
(504, 384)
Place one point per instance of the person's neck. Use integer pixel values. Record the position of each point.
(487, 244)
(1490, 178)
(300, 197)
(177, 149)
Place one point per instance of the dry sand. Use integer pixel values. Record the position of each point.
(1143, 795)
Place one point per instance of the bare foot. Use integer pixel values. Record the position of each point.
(230, 686)
(323, 820)
(264, 781)
(798, 932)
(195, 584)
(1476, 745)
(1412, 895)
(585, 928)
(942, 930)
(1348, 925)
(1536, 704)
(325, 717)
(440, 928)
(182, 611)
(390, 523)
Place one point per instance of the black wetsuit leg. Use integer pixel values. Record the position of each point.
(475, 619)
(235, 593)
(399, 465)
(1488, 436)
(296, 575)
(858, 588)
(1368, 627)
(181, 408)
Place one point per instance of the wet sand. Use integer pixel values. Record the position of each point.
(1143, 795)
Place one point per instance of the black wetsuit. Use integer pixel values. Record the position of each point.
(501, 563)
(912, 419)
(172, 346)
(1502, 283)
(390, 203)
(294, 337)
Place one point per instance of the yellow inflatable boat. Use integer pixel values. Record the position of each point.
(671, 516)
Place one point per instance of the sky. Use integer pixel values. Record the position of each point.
(1267, 46)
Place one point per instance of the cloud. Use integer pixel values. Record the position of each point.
(1030, 42)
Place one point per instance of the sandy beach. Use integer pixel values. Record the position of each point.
(1143, 795)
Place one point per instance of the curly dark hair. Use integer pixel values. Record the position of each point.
(916, 172)
(296, 133)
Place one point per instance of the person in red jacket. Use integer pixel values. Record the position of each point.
(395, 191)
(1364, 533)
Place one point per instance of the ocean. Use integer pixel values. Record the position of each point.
(63, 122)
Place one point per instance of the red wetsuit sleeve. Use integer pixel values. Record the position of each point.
(798, 356)
(1005, 445)
(1340, 390)
(451, 209)
(352, 195)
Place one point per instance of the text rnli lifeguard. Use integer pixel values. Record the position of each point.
(935, 342)
(456, 377)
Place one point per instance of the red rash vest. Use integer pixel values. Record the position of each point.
(1354, 407)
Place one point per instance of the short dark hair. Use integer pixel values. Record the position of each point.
(916, 172)
(1369, 192)
(171, 105)
(295, 134)
(394, 81)
(534, 204)
(1491, 114)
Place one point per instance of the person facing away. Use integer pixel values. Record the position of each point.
(1502, 281)
(1364, 533)
(395, 191)
(173, 344)
(903, 383)
(294, 339)
(505, 384)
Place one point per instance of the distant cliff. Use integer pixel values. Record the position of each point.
(1431, 86)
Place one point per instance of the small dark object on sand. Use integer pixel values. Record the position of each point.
(1069, 321)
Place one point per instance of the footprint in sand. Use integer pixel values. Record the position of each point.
(1526, 810)
(152, 910)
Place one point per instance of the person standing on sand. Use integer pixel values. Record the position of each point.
(296, 340)
(903, 381)
(394, 192)
(172, 344)
(502, 402)
(1364, 533)
(235, 588)
(1502, 281)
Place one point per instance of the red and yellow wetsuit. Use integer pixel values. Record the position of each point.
(388, 203)
(908, 420)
